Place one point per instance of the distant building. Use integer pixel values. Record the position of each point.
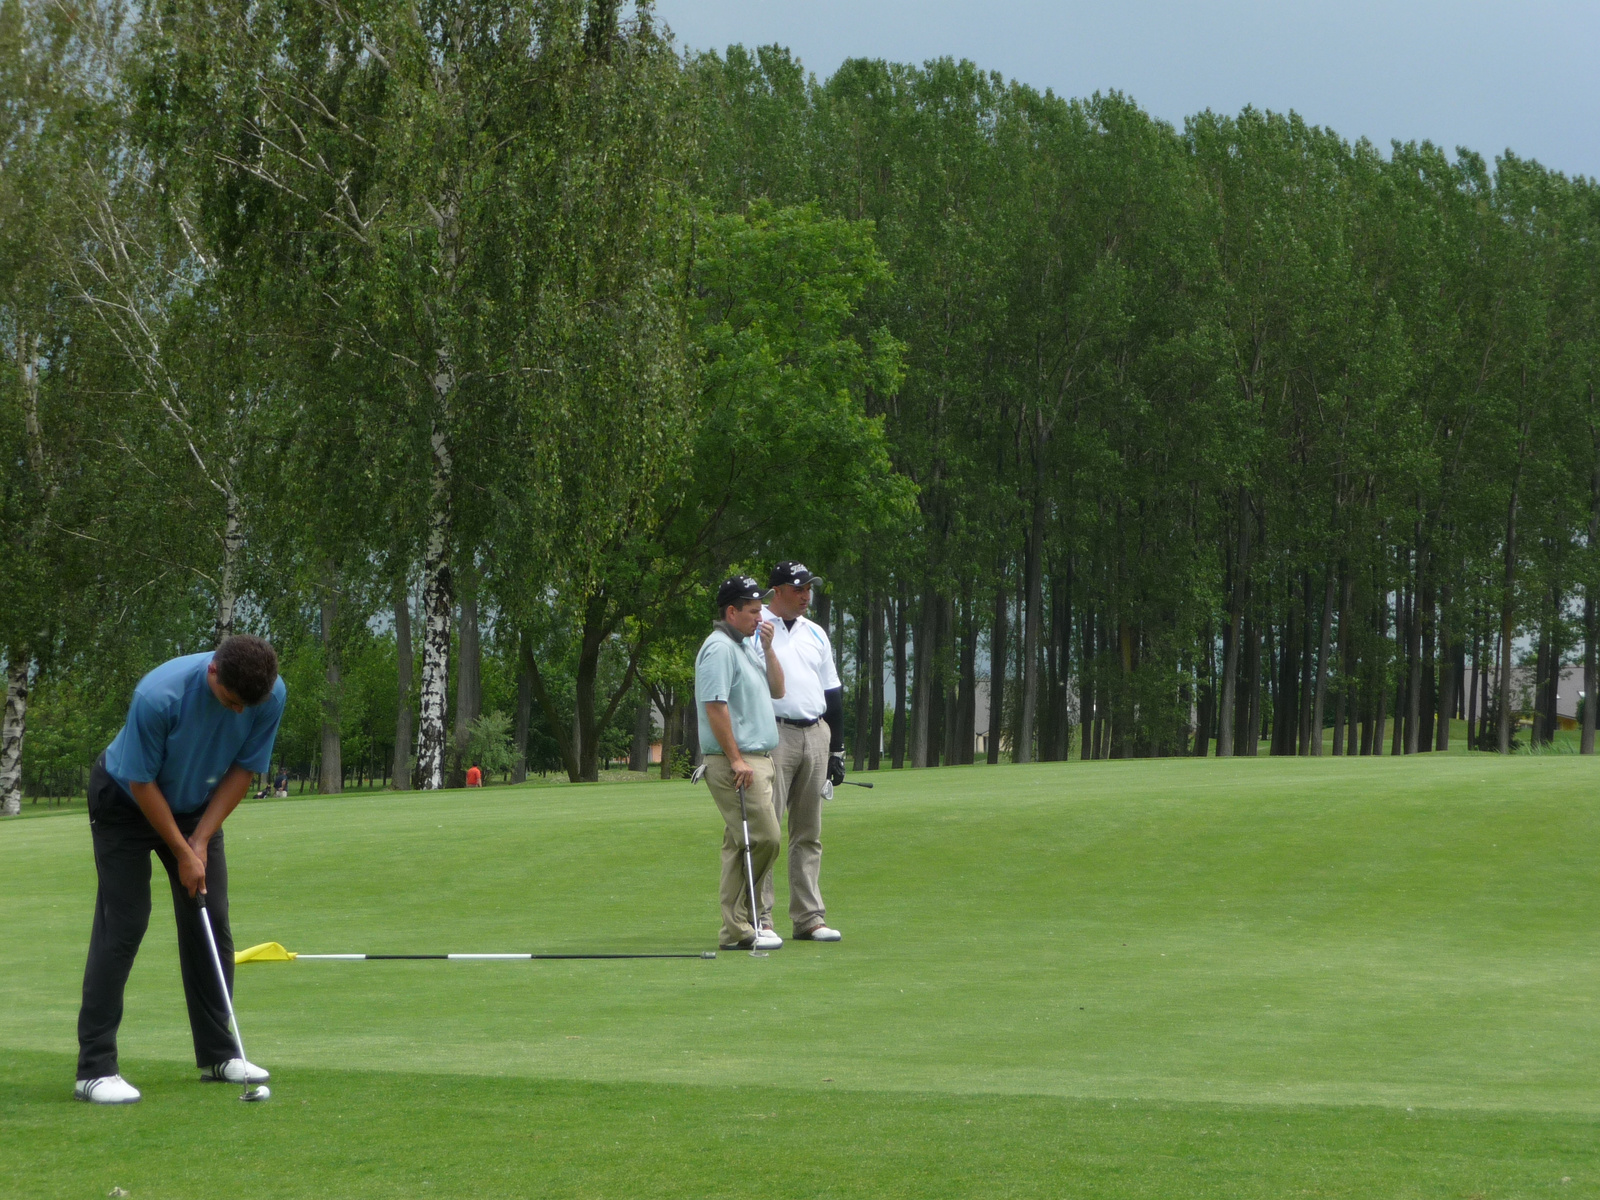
(1568, 691)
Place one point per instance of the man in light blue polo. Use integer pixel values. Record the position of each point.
(733, 690)
(199, 728)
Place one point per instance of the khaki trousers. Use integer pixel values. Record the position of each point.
(737, 925)
(800, 768)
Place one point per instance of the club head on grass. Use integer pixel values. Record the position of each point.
(259, 1092)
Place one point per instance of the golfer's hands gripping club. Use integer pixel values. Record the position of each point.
(744, 775)
(836, 769)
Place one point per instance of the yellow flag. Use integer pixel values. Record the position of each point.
(266, 952)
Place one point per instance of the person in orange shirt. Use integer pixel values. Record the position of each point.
(474, 776)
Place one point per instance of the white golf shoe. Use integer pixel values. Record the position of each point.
(235, 1070)
(108, 1089)
(768, 939)
(819, 933)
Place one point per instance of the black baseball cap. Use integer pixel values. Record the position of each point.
(736, 590)
(793, 573)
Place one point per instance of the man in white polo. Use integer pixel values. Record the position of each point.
(810, 752)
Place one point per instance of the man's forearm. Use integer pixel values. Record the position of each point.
(774, 676)
(153, 804)
(722, 727)
(224, 800)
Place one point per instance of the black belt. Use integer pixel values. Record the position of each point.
(798, 724)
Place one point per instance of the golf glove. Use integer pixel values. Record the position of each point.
(836, 769)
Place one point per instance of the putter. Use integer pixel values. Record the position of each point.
(853, 783)
(750, 874)
(252, 1091)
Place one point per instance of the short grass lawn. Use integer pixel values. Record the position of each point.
(1367, 977)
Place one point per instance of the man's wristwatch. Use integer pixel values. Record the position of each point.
(836, 768)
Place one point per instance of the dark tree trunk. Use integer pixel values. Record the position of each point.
(1208, 694)
(1304, 681)
(1586, 738)
(967, 700)
(469, 674)
(331, 777)
(863, 688)
(1033, 573)
(643, 727)
(1324, 648)
(875, 657)
(1238, 594)
(1447, 672)
(1086, 678)
(897, 749)
(1508, 608)
(524, 725)
(1250, 731)
(997, 669)
(401, 768)
(925, 666)
(1472, 687)
(949, 684)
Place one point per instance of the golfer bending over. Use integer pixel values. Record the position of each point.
(199, 727)
(810, 749)
(733, 692)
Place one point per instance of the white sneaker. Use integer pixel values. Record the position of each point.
(235, 1070)
(819, 933)
(108, 1089)
(767, 939)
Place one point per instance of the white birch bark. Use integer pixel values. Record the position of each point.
(11, 732)
(232, 543)
(436, 603)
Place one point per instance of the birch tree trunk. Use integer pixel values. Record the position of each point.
(402, 721)
(11, 734)
(330, 778)
(232, 544)
(437, 601)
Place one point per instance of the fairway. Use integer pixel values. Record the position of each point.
(1166, 978)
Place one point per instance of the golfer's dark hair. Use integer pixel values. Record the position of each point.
(247, 666)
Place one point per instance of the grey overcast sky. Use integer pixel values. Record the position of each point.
(1486, 76)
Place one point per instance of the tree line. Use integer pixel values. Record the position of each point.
(461, 347)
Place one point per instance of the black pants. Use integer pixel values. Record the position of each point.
(123, 841)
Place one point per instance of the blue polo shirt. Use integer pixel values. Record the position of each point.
(732, 672)
(181, 737)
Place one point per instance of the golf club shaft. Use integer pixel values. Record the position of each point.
(222, 980)
(485, 957)
(749, 867)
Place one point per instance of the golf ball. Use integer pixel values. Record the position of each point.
(262, 1092)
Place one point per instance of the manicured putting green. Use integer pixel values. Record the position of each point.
(1224, 978)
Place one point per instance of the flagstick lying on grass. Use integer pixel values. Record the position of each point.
(273, 952)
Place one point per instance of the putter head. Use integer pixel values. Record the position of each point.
(759, 954)
(708, 954)
(259, 1091)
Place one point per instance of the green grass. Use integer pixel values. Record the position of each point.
(1269, 977)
